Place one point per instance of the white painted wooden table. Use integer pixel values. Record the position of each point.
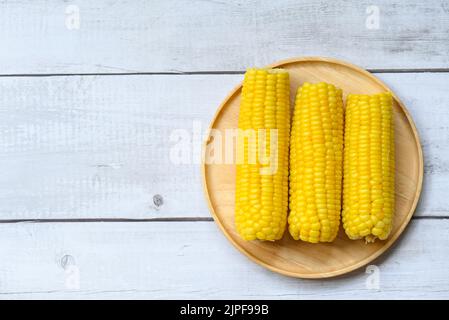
(90, 91)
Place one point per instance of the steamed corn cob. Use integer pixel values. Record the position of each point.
(264, 128)
(316, 160)
(369, 166)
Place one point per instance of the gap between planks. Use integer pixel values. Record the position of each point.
(187, 73)
(174, 219)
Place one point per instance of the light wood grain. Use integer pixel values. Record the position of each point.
(98, 147)
(193, 260)
(300, 259)
(208, 35)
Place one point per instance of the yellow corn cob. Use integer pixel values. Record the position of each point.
(264, 128)
(368, 193)
(316, 161)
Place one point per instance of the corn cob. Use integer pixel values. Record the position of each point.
(316, 161)
(262, 186)
(368, 193)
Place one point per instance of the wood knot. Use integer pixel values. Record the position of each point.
(158, 200)
(67, 260)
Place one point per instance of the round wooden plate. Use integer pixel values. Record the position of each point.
(297, 258)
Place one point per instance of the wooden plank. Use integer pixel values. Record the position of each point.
(168, 260)
(99, 147)
(172, 36)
